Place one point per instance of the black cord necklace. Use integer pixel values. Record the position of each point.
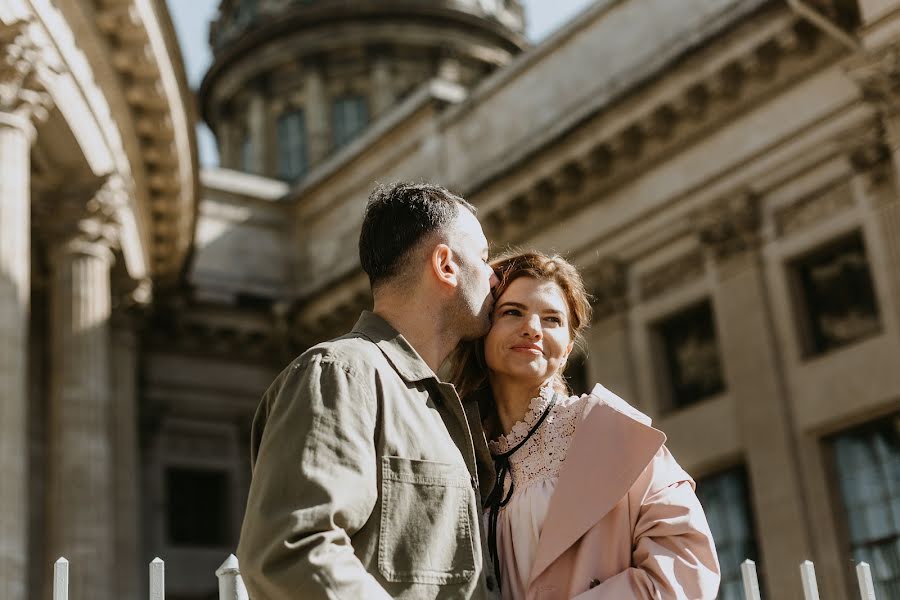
(496, 500)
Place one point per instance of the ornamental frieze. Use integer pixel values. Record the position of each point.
(730, 226)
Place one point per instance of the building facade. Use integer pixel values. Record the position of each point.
(724, 173)
(98, 202)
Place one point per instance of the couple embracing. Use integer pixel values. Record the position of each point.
(373, 477)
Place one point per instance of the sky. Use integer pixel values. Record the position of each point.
(192, 18)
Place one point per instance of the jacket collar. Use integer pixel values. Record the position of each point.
(399, 352)
(612, 446)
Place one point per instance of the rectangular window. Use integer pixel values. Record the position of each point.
(836, 296)
(690, 353)
(292, 158)
(350, 115)
(197, 507)
(868, 468)
(726, 502)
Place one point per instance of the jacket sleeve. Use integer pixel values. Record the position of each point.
(674, 556)
(314, 485)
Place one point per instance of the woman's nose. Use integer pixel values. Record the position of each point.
(532, 327)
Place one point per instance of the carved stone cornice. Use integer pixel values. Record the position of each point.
(729, 227)
(671, 275)
(607, 283)
(706, 97)
(226, 333)
(21, 91)
(140, 44)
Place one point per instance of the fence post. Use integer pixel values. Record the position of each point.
(866, 585)
(157, 579)
(231, 585)
(751, 581)
(808, 575)
(61, 579)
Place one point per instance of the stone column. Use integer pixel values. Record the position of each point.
(608, 361)
(21, 100)
(755, 380)
(318, 113)
(257, 118)
(126, 466)
(80, 514)
(15, 265)
(383, 93)
(878, 151)
(229, 144)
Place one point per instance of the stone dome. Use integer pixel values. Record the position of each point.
(294, 80)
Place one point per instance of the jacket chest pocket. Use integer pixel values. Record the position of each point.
(426, 530)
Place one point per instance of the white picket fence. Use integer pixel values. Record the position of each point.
(231, 586)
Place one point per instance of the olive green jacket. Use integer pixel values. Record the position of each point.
(365, 478)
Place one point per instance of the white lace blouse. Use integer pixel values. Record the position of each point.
(534, 468)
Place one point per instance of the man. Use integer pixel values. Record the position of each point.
(365, 465)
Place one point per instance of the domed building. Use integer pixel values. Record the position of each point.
(294, 81)
(724, 173)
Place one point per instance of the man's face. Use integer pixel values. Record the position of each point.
(476, 278)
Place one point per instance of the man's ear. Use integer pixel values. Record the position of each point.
(444, 266)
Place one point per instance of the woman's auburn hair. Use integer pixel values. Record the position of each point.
(468, 369)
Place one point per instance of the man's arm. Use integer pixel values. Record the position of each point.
(314, 485)
(674, 556)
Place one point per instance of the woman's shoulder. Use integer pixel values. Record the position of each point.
(599, 395)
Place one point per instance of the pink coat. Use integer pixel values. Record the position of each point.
(624, 522)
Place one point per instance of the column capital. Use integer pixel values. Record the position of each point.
(23, 97)
(877, 73)
(731, 226)
(92, 226)
(607, 281)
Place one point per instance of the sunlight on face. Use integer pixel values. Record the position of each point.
(530, 338)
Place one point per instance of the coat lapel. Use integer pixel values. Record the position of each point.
(611, 448)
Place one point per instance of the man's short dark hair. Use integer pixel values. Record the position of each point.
(398, 217)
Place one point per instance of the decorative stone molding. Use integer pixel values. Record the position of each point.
(812, 209)
(703, 99)
(140, 44)
(878, 76)
(607, 282)
(869, 153)
(729, 227)
(671, 275)
(21, 91)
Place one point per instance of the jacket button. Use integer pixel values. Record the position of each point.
(594, 583)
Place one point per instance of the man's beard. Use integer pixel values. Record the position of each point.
(474, 324)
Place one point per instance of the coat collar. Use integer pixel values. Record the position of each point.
(399, 352)
(612, 446)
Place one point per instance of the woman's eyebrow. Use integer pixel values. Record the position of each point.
(525, 307)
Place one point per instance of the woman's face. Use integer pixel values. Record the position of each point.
(529, 338)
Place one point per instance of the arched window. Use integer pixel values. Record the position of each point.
(292, 153)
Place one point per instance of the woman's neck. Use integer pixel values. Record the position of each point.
(512, 398)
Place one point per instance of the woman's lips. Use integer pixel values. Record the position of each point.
(527, 349)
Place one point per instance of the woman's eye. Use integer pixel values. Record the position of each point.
(556, 320)
(511, 311)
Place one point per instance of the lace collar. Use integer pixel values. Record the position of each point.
(518, 432)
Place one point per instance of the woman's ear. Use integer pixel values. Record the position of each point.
(444, 266)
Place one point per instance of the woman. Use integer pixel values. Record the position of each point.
(588, 502)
